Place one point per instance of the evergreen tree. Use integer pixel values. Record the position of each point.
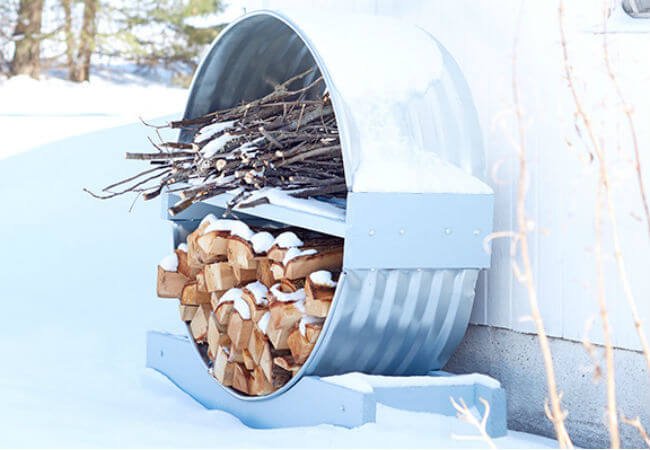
(162, 32)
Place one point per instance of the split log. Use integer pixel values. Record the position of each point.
(278, 336)
(287, 285)
(301, 345)
(184, 266)
(256, 345)
(187, 312)
(200, 282)
(312, 331)
(222, 369)
(193, 297)
(248, 360)
(277, 269)
(193, 254)
(213, 246)
(264, 273)
(280, 376)
(317, 308)
(287, 363)
(318, 291)
(222, 314)
(276, 254)
(170, 284)
(301, 266)
(219, 276)
(215, 299)
(240, 379)
(239, 331)
(241, 253)
(199, 324)
(216, 338)
(257, 306)
(243, 276)
(285, 314)
(266, 362)
(259, 384)
(235, 356)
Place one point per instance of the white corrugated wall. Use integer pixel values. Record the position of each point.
(562, 196)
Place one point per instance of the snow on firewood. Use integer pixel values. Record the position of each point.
(219, 225)
(263, 323)
(307, 320)
(242, 308)
(182, 247)
(209, 131)
(216, 145)
(207, 220)
(294, 252)
(322, 278)
(288, 239)
(262, 242)
(230, 295)
(287, 296)
(169, 263)
(259, 292)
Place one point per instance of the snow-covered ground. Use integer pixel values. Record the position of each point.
(37, 112)
(77, 287)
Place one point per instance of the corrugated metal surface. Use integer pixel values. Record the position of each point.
(394, 321)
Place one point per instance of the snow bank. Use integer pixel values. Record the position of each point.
(89, 361)
(66, 109)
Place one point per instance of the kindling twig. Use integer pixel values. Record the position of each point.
(282, 140)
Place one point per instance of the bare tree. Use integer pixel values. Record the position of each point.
(79, 51)
(27, 34)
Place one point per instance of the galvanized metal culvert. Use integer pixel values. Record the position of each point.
(413, 240)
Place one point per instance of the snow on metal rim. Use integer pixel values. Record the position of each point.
(406, 117)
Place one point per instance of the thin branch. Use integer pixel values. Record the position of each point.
(636, 423)
(603, 191)
(466, 415)
(556, 413)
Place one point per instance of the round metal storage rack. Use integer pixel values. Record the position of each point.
(411, 259)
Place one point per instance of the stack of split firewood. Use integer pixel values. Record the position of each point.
(254, 302)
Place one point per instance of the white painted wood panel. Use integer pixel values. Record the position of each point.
(562, 190)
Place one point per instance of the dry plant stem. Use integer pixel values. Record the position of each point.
(557, 415)
(466, 415)
(636, 423)
(604, 187)
(610, 379)
(627, 109)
